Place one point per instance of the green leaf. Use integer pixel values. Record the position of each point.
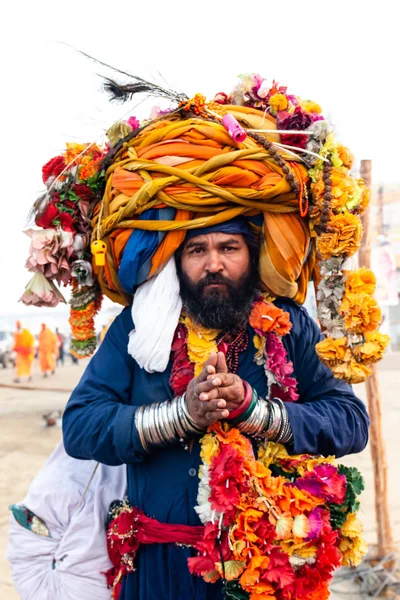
(234, 591)
(72, 196)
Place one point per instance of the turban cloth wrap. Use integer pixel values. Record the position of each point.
(181, 174)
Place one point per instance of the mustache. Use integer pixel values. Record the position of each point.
(213, 278)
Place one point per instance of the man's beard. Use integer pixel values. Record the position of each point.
(217, 309)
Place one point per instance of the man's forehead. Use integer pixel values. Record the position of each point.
(215, 237)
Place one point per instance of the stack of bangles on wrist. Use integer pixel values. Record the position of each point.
(258, 418)
(166, 423)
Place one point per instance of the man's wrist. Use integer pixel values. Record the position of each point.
(239, 413)
(262, 418)
(165, 423)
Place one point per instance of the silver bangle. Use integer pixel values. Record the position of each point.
(269, 420)
(285, 435)
(165, 423)
(257, 421)
(138, 419)
(275, 424)
(190, 424)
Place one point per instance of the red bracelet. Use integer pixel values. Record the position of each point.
(241, 409)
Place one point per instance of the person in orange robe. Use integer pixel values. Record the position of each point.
(48, 350)
(24, 347)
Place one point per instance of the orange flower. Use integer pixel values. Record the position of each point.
(345, 156)
(262, 591)
(233, 437)
(373, 348)
(87, 168)
(267, 317)
(311, 106)
(344, 188)
(365, 197)
(278, 102)
(251, 575)
(245, 522)
(320, 593)
(74, 150)
(343, 236)
(297, 501)
(360, 313)
(352, 545)
(352, 371)
(362, 280)
(331, 351)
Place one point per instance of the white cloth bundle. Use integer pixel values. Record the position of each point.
(69, 564)
(156, 309)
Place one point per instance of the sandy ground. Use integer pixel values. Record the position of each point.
(25, 444)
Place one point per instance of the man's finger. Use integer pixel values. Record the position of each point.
(216, 415)
(221, 363)
(222, 379)
(209, 367)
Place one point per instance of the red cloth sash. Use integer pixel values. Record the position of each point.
(132, 528)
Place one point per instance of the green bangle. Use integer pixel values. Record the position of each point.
(249, 411)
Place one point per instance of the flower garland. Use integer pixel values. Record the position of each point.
(75, 181)
(349, 318)
(275, 527)
(193, 344)
(60, 251)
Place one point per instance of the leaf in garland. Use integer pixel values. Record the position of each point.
(211, 576)
(301, 526)
(338, 515)
(353, 477)
(234, 591)
(284, 525)
(233, 569)
(72, 196)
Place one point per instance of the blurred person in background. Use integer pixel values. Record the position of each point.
(48, 350)
(24, 347)
(61, 342)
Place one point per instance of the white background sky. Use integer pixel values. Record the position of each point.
(343, 54)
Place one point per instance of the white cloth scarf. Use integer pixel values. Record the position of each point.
(156, 310)
(77, 546)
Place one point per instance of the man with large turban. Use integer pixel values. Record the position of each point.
(208, 223)
(205, 235)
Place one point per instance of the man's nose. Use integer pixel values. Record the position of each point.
(214, 263)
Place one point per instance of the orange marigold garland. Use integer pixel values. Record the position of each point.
(347, 310)
(85, 304)
(276, 526)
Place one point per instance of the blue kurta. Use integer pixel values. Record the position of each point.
(98, 424)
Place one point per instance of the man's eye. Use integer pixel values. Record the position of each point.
(228, 248)
(197, 251)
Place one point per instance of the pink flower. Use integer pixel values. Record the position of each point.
(41, 292)
(315, 522)
(299, 121)
(133, 122)
(50, 252)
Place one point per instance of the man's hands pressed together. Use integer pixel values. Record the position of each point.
(214, 393)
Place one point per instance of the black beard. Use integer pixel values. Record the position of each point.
(217, 310)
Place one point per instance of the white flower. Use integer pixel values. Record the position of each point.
(41, 292)
(264, 88)
(82, 270)
(203, 507)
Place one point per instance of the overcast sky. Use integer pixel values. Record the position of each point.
(343, 54)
